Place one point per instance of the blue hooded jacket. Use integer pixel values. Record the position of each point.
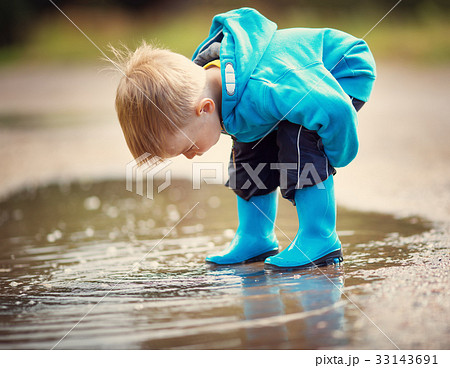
(302, 75)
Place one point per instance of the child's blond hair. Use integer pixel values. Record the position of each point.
(155, 97)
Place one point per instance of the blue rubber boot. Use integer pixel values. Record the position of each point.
(255, 238)
(316, 242)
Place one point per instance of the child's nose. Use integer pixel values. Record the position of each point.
(190, 155)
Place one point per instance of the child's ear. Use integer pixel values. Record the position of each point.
(205, 105)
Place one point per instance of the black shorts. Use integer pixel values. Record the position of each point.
(291, 157)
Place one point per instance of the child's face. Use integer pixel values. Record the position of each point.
(196, 138)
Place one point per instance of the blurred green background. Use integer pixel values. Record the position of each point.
(33, 31)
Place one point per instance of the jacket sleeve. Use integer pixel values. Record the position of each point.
(350, 62)
(313, 98)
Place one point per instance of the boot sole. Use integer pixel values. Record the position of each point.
(262, 257)
(328, 260)
(258, 258)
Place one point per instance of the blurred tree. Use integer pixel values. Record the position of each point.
(14, 16)
(17, 16)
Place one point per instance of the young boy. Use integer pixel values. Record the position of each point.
(287, 97)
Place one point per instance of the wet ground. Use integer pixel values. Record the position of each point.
(72, 250)
(92, 253)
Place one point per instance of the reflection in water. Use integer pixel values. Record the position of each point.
(67, 248)
(293, 310)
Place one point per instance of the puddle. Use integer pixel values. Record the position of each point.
(93, 251)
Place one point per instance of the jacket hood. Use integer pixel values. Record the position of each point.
(244, 35)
